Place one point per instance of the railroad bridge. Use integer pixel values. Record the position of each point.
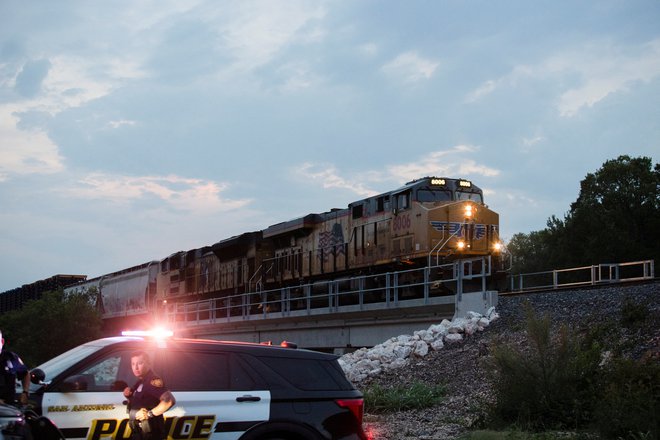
(340, 314)
(359, 312)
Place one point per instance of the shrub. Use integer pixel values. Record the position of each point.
(631, 400)
(550, 385)
(633, 314)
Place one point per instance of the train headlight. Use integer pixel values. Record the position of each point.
(469, 211)
(497, 247)
(460, 245)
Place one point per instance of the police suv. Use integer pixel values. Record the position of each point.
(223, 390)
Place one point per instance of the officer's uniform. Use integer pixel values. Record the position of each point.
(11, 367)
(146, 394)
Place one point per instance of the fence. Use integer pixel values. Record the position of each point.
(583, 276)
(441, 284)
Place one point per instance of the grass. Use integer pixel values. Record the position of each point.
(418, 395)
(522, 435)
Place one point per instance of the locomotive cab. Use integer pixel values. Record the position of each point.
(442, 218)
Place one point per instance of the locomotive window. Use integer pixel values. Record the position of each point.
(357, 211)
(382, 204)
(403, 201)
(475, 197)
(428, 195)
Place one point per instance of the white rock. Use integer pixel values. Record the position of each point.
(396, 351)
(453, 338)
(397, 363)
(421, 349)
(403, 339)
(402, 352)
(437, 344)
(457, 326)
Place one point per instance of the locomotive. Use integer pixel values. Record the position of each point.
(424, 223)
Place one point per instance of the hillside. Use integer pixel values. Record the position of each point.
(460, 366)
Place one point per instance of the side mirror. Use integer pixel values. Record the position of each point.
(37, 376)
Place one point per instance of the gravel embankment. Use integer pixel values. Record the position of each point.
(460, 367)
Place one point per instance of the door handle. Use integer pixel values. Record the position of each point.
(248, 399)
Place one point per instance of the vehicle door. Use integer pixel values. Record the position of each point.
(87, 402)
(217, 395)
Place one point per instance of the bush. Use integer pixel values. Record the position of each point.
(631, 400)
(633, 314)
(381, 400)
(550, 385)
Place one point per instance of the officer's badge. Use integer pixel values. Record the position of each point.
(157, 382)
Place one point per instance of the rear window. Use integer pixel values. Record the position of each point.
(308, 374)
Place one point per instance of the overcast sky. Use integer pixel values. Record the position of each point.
(133, 129)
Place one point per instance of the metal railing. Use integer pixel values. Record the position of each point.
(440, 284)
(584, 276)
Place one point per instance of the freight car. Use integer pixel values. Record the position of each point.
(426, 222)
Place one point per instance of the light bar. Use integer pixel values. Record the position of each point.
(155, 333)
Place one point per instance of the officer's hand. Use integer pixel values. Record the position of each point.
(127, 392)
(142, 414)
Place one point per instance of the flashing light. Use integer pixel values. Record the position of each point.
(460, 245)
(157, 333)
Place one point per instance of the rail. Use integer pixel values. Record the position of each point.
(440, 284)
(583, 276)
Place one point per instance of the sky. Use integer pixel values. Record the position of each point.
(130, 130)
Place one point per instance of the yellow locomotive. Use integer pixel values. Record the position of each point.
(426, 222)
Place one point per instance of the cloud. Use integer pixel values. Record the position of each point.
(601, 68)
(606, 71)
(258, 30)
(410, 67)
(329, 178)
(121, 123)
(297, 76)
(51, 86)
(186, 194)
(25, 152)
(31, 76)
(483, 90)
(453, 162)
(368, 49)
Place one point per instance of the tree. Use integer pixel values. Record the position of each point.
(616, 218)
(46, 327)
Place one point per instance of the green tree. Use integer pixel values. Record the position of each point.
(51, 325)
(529, 251)
(616, 218)
(617, 214)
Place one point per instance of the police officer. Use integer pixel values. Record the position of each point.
(12, 368)
(148, 400)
